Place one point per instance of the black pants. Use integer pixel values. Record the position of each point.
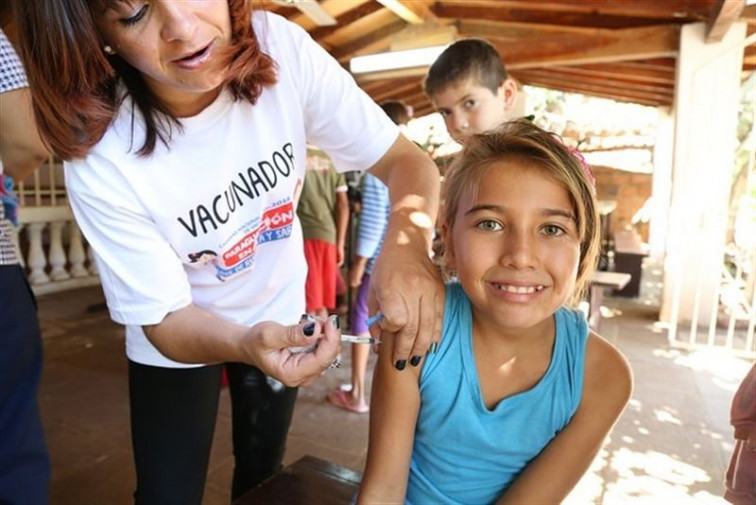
(24, 463)
(173, 414)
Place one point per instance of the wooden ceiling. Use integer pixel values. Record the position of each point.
(620, 49)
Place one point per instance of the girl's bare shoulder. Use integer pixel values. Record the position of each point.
(606, 368)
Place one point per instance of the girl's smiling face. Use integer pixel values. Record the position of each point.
(174, 44)
(515, 246)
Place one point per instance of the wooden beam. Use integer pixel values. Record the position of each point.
(419, 97)
(413, 12)
(749, 57)
(344, 19)
(580, 13)
(619, 72)
(372, 87)
(656, 64)
(333, 7)
(397, 91)
(577, 87)
(390, 75)
(609, 85)
(379, 37)
(628, 8)
(749, 16)
(575, 49)
(724, 14)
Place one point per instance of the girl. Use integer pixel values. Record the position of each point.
(184, 128)
(517, 399)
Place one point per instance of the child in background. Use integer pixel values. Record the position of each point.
(518, 397)
(323, 210)
(740, 480)
(373, 221)
(468, 85)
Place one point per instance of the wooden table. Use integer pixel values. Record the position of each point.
(309, 481)
(629, 252)
(597, 283)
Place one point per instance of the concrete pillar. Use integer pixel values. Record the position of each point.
(661, 184)
(706, 105)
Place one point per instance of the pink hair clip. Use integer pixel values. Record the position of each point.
(586, 167)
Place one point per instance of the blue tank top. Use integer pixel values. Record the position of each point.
(465, 453)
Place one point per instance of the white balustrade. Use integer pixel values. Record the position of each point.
(55, 254)
(76, 254)
(92, 263)
(37, 262)
(58, 258)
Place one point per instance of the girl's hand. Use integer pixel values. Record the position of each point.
(269, 347)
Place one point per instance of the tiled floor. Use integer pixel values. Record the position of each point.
(84, 402)
(670, 446)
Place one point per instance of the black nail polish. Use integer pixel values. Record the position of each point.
(415, 360)
(400, 364)
(309, 329)
(336, 322)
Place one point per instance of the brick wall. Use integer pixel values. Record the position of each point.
(629, 189)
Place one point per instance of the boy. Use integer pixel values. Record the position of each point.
(468, 85)
(324, 212)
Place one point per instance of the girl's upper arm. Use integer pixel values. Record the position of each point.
(394, 406)
(556, 470)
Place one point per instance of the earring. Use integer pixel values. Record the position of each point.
(108, 50)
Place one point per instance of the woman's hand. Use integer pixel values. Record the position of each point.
(270, 347)
(194, 335)
(405, 285)
(407, 289)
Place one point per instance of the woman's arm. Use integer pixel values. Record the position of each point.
(394, 406)
(21, 149)
(405, 285)
(205, 337)
(606, 390)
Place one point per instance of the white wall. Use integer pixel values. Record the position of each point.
(706, 102)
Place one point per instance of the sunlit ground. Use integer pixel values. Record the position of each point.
(673, 442)
(657, 455)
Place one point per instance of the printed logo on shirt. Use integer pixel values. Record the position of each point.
(241, 249)
(257, 180)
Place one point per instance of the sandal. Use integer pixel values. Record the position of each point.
(342, 399)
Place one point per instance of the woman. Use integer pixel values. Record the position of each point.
(187, 133)
(25, 474)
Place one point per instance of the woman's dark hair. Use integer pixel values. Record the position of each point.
(74, 85)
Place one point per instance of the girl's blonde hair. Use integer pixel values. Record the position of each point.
(523, 140)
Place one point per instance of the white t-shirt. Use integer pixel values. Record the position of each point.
(212, 219)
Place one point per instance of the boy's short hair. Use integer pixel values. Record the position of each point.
(397, 111)
(466, 58)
